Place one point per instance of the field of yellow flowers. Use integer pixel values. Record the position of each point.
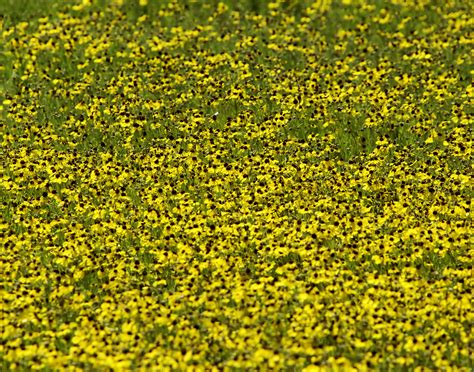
(236, 185)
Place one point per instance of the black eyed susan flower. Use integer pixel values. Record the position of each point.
(236, 185)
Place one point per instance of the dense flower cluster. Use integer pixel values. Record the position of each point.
(204, 184)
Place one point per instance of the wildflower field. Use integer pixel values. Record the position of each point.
(236, 185)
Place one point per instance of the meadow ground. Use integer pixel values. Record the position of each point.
(236, 185)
